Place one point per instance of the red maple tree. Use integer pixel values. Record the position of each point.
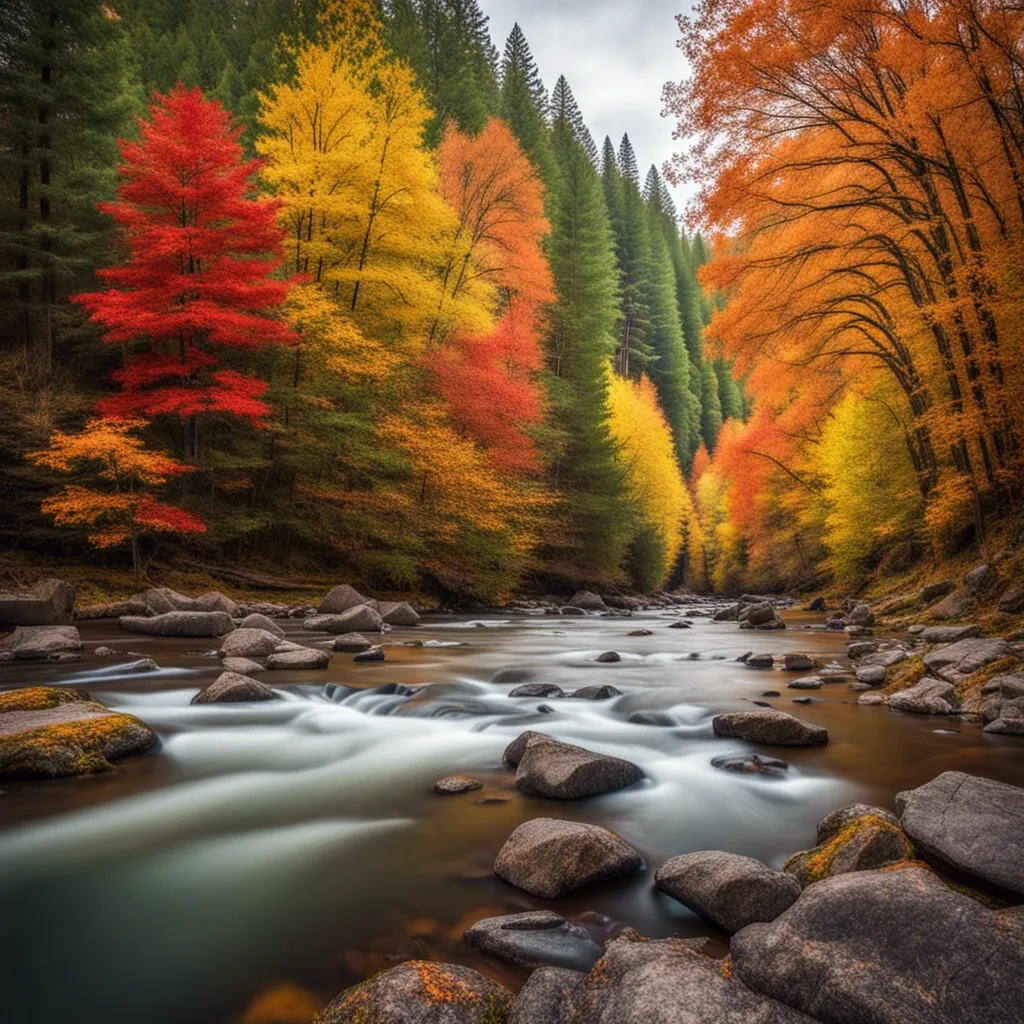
(201, 251)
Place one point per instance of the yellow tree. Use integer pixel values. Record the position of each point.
(645, 450)
(120, 505)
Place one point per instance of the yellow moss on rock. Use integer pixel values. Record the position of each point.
(904, 675)
(968, 692)
(38, 698)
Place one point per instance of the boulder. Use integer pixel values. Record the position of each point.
(761, 615)
(953, 605)
(39, 643)
(817, 605)
(609, 657)
(300, 658)
(375, 653)
(1012, 601)
(858, 648)
(772, 728)
(957, 661)
(48, 602)
(759, 661)
(654, 981)
(834, 822)
(805, 683)
(1002, 691)
(888, 947)
(544, 997)
(933, 591)
(865, 843)
(928, 697)
(421, 992)
(537, 690)
(867, 699)
(351, 643)
(886, 657)
(681, 624)
(729, 890)
(232, 687)
(399, 613)
(548, 767)
(53, 731)
(254, 620)
(978, 578)
(948, 634)
(870, 675)
(548, 857)
(215, 601)
(587, 600)
(640, 632)
(837, 624)
(860, 615)
(569, 610)
(605, 692)
(179, 624)
(727, 614)
(340, 599)
(794, 662)
(514, 751)
(243, 666)
(249, 642)
(972, 824)
(112, 609)
(534, 939)
(354, 620)
(751, 764)
(451, 785)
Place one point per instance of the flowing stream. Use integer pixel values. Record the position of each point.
(298, 842)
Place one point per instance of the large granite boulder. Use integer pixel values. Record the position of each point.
(421, 992)
(973, 824)
(233, 688)
(587, 600)
(860, 615)
(544, 999)
(663, 981)
(359, 619)
(729, 890)
(398, 613)
(215, 601)
(726, 614)
(340, 599)
(39, 643)
(160, 600)
(957, 661)
(835, 821)
(562, 771)
(761, 615)
(351, 643)
(888, 947)
(537, 690)
(255, 620)
(770, 727)
(52, 731)
(179, 624)
(249, 642)
(48, 602)
(533, 939)
(548, 857)
(933, 591)
(948, 634)
(953, 605)
(928, 697)
(299, 658)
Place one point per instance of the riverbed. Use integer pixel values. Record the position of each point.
(266, 849)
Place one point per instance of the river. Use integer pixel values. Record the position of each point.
(298, 843)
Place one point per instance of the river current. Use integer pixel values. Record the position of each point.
(273, 853)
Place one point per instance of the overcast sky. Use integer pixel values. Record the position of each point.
(616, 55)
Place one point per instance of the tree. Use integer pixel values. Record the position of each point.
(201, 249)
(524, 102)
(565, 108)
(64, 97)
(123, 507)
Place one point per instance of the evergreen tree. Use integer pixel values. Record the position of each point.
(711, 408)
(730, 392)
(595, 506)
(627, 162)
(564, 108)
(524, 103)
(64, 98)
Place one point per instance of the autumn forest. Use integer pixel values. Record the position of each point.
(340, 286)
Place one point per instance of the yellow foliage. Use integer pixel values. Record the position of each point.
(645, 448)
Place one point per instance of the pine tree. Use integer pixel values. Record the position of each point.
(524, 103)
(730, 391)
(64, 98)
(711, 408)
(627, 162)
(595, 506)
(564, 108)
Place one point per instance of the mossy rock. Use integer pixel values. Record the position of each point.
(421, 992)
(50, 731)
(968, 692)
(865, 844)
(904, 674)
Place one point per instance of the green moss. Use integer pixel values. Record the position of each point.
(39, 698)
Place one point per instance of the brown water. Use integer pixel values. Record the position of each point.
(298, 842)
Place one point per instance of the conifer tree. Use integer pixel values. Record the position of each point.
(564, 108)
(711, 407)
(627, 162)
(595, 507)
(730, 392)
(524, 103)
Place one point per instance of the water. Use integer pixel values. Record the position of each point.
(297, 843)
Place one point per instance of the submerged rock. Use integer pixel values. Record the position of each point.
(888, 947)
(373, 654)
(596, 692)
(751, 764)
(231, 687)
(773, 728)
(48, 602)
(537, 690)
(548, 767)
(548, 857)
(972, 824)
(534, 939)
(421, 992)
(52, 731)
(351, 643)
(729, 890)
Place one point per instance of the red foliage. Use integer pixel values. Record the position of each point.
(490, 383)
(167, 518)
(201, 249)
